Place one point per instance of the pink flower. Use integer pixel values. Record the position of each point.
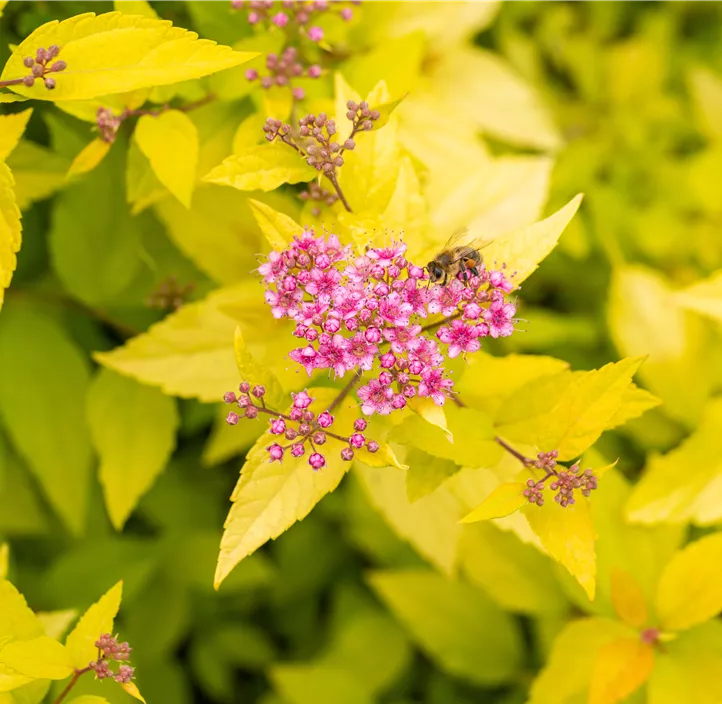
(280, 19)
(273, 268)
(434, 385)
(460, 337)
(301, 400)
(317, 460)
(276, 452)
(497, 279)
(499, 317)
(427, 353)
(416, 296)
(375, 398)
(346, 13)
(332, 355)
(403, 339)
(361, 352)
(323, 283)
(393, 310)
(325, 419)
(284, 304)
(385, 256)
(305, 356)
(315, 34)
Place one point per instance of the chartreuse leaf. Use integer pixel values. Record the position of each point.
(38, 172)
(117, 53)
(271, 496)
(620, 668)
(567, 674)
(132, 689)
(4, 560)
(690, 592)
(10, 229)
(188, 354)
(505, 499)
(706, 88)
(426, 473)
(11, 129)
(308, 684)
(17, 621)
(635, 402)
(568, 535)
(135, 7)
(38, 360)
(432, 414)
(90, 157)
(170, 143)
(133, 428)
(56, 623)
(277, 228)
(2, 6)
(676, 487)
(456, 624)
(704, 297)
(628, 600)
(572, 413)
(689, 668)
(98, 619)
(262, 168)
(38, 658)
(90, 698)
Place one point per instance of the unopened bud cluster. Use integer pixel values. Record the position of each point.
(297, 428)
(318, 194)
(563, 481)
(108, 124)
(41, 65)
(283, 69)
(109, 649)
(361, 115)
(293, 14)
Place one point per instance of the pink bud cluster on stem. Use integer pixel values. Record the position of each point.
(318, 194)
(363, 313)
(297, 428)
(41, 65)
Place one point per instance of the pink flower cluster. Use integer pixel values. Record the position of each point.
(300, 426)
(294, 13)
(283, 69)
(360, 313)
(564, 481)
(110, 649)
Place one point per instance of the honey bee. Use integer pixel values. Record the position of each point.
(460, 255)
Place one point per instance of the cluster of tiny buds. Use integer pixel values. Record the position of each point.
(40, 66)
(110, 649)
(282, 70)
(299, 426)
(170, 294)
(108, 124)
(564, 482)
(361, 115)
(319, 194)
(295, 13)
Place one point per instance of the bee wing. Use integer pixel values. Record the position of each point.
(463, 240)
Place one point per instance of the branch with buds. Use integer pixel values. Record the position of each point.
(40, 68)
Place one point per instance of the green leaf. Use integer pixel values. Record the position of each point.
(11, 129)
(39, 361)
(505, 499)
(262, 168)
(38, 172)
(133, 429)
(276, 227)
(635, 402)
(10, 229)
(117, 53)
(96, 621)
(90, 698)
(271, 496)
(170, 143)
(252, 371)
(38, 658)
(432, 414)
(4, 560)
(454, 623)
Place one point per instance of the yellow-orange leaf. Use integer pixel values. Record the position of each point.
(621, 667)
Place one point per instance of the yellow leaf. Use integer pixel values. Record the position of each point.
(430, 524)
(523, 250)
(132, 689)
(676, 341)
(568, 535)
(17, 621)
(621, 667)
(117, 53)
(90, 156)
(4, 560)
(170, 142)
(89, 698)
(188, 354)
(56, 623)
(12, 98)
(383, 457)
(249, 133)
(2, 6)
(426, 473)
(635, 402)
(133, 428)
(271, 496)
(319, 682)
(11, 129)
(505, 499)
(566, 675)
(254, 372)
(10, 229)
(706, 89)
(262, 168)
(628, 599)
(385, 110)
(135, 7)
(277, 228)
(432, 414)
(96, 621)
(39, 658)
(704, 297)
(676, 487)
(690, 591)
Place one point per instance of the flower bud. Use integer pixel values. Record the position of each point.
(59, 66)
(351, 105)
(276, 452)
(278, 426)
(372, 446)
(317, 460)
(28, 61)
(386, 378)
(298, 93)
(28, 81)
(244, 387)
(280, 19)
(251, 74)
(357, 440)
(314, 71)
(232, 418)
(367, 125)
(259, 391)
(41, 55)
(38, 70)
(229, 397)
(297, 450)
(53, 51)
(319, 437)
(347, 454)
(251, 412)
(325, 419)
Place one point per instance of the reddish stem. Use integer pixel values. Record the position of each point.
(76, 676)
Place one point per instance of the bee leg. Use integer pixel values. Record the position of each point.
(474, 271)
(462, 270)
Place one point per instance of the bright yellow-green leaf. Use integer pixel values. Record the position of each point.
(133, 428)
(383, 457)
(10, 229)
(132, 689)
(135, 7)
(385, 110)
(690, 591)
(17, 621)
(432, 414)
(635, 402)
(117, 53)
(523, 250)
(56, 623)
(568, 670)
(505, 499)
(271, 496)
(277, 228)
(89, 698)
(4, 560)
(89, 158)
(676, 341)
(309, 684)
(254, 372)
(620, 668)
(249, 133)
(426, 473)
(98, 619)
(39, 658)
(568, 535)
(188, 354)
(628, 599)
(262, 168)
(706, 88)
(676, 487)
(228, 441)
(430, 524)
(12, 98)
(456, 624)
(704, 297)
(11, 129)
(38, 172)
(170, 143)
(2, 6)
